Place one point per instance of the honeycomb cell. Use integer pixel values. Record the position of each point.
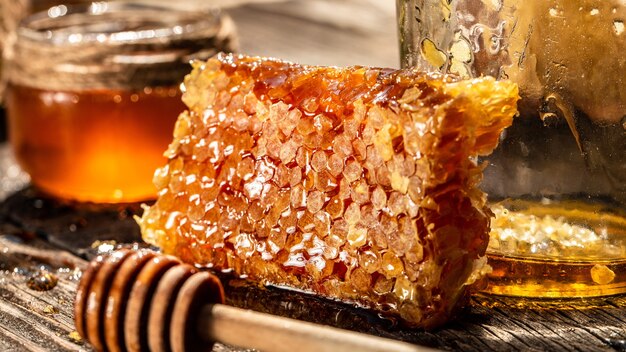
(315, 201)
(335, 165)
(334, 208)
(319, 161)
(359, 184)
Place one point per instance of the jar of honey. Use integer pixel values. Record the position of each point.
(93, 93)
(557, 182)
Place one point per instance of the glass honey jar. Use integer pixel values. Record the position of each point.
(557, 182)
(93, 93)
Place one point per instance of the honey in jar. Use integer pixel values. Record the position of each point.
(557, 181)
(100, 145)
(94, 93)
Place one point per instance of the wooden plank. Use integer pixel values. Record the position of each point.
(35, 320)
(342, 32)
(490, 323)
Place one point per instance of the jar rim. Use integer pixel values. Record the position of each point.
(112, 23)
(121, 44)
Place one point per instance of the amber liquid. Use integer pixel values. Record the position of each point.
(561, 176)
(527, 277)
(564, 249)
(98, 146)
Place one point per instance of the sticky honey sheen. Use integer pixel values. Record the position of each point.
(92, 145)
(357, 184)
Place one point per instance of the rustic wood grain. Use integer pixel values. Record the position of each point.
(316, 32)
(34, 320)
(489, 324)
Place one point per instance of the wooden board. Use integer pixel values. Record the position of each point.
(316, 32)
(33, 320)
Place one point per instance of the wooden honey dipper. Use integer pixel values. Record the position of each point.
(139, 300)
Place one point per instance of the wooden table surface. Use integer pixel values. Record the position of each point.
(42, 235)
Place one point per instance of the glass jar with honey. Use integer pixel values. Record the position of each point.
(93, 93)
(557, 182)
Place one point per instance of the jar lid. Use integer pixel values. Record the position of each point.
(113, 45)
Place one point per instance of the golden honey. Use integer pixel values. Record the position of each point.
(93, 93)
(525, 277)
(99, 145)
(560, 169)
(358, 184)
(557, 250)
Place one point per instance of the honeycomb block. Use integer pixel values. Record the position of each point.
(357, 184)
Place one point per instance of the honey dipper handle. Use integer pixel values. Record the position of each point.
(269, 333)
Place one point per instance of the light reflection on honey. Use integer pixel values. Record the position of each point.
(564, 249)
(98, 145)
(525, 277)
(349, 183)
